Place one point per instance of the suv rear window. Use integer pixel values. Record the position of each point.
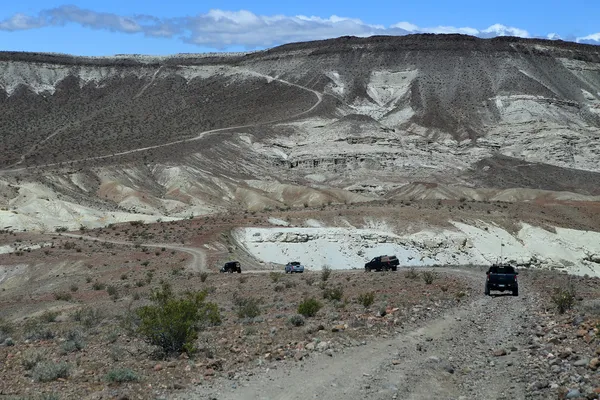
(502, 270)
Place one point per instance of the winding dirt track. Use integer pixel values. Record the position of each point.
(201, 135)
(198, 263)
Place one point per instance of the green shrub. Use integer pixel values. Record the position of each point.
(112, 292)
(35, 330)
(563, 298)
(333, 294)
(6, 329)
(122, 375)
(88, 317)
(296, 320)
(309, 307)
(412, 274)
(48, 371)
(98, 286)
(74, 288)
(49, 316)
(325, 273)
(429, 277)
(74, 341)
(173, 323)
(248, 307)
(275, 276)
(309, 279)
(31, 357)
(65, 296)
(366, 299)
(203, 276)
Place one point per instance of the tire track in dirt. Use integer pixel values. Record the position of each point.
(447, 358)
(198, 263)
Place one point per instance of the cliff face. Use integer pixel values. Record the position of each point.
(189, 133)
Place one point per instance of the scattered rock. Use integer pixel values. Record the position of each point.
(499, 352)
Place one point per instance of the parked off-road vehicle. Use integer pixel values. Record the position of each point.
(382, 263)
(502, 277)
(231, 267)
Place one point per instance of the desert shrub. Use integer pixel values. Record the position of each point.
(48, 371)
(61, 229)
(309, 307)
(275, 276)
(459, 295)
(122, 375)
(444, 288)
(203, 276)
(412, 274)
(112, 292)
(563, 298)
(366, 299)
(140, 283)
(325, 273)
(31, 357)
(247, 307)
(173, 323)
(243, 279)
(309, 279)
(290, 284)
(49, 316)
(35, 330)
(333, 293)
(88, 317)
(429, 277)
(279, 288)
(74, 341)
(296, 320)
(74, 288)
(98, 286)
(65, 296)
(6, 329)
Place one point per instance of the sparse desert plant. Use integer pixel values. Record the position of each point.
(74, 341)
(333, 293)
(113, 292)
(247, 307)
(49, 316)
(412, 274)
(243, 279)
(460, 294)
(563, 298)
(31, 357)
(325, 273)
(309, 279)
(6, 329)
(122, 375)
(98, 286)
(275, 276)
(309, 307)
(64, 296)
(35, 330)
(296, 320)
(48, 371)
(74, 288)
(444, 288)
(88, 317)
(203, 276)
(173, 323)
(366, 299)
(429, 277)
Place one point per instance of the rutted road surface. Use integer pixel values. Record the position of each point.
(451, 357)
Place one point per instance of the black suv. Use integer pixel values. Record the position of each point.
(231, 267)
(502, 277)
(382, 263)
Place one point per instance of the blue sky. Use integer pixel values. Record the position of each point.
(166, 27)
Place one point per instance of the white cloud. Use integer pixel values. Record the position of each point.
(19, 22)
(590, 39)
(222, 28)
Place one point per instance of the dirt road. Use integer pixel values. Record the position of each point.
(198, 263)
(449, 358)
